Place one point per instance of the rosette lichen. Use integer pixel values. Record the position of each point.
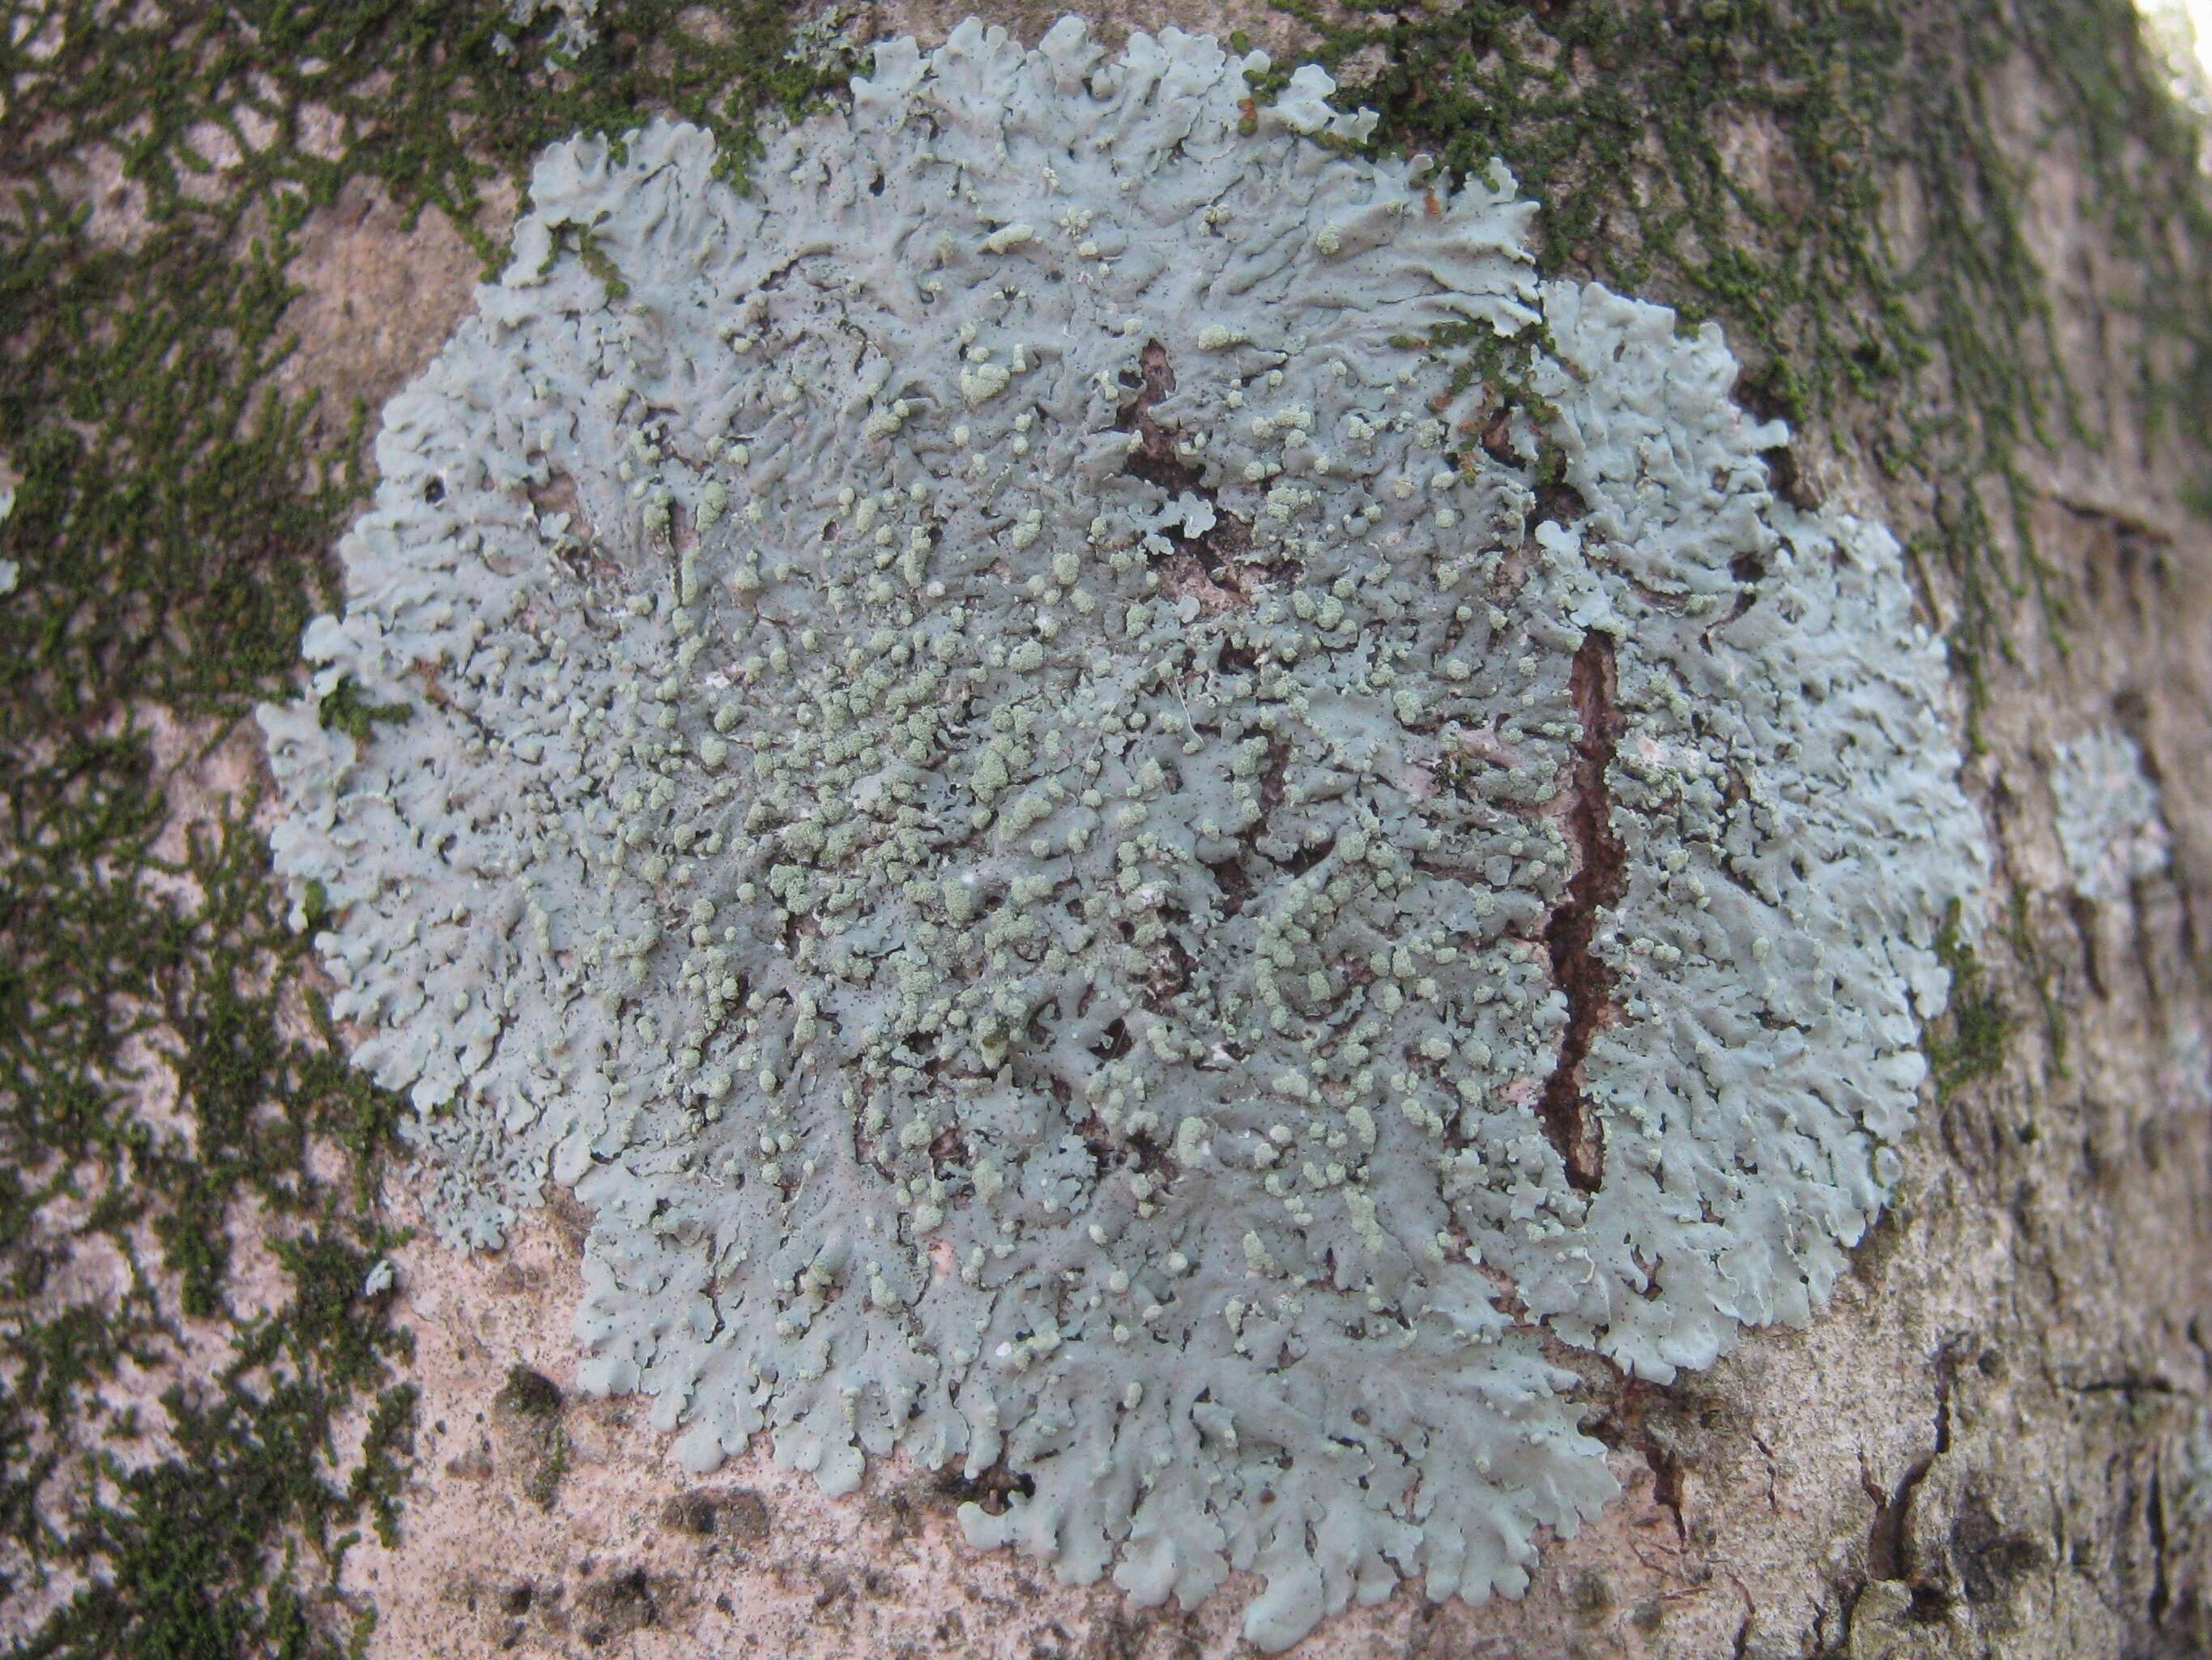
(1128, 810)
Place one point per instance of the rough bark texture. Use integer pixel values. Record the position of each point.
(1997, 1440)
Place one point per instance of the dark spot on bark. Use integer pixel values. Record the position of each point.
(1560, 503)
(948, 1151)
(529, 1393)
(1155, 459)
(989, 1489)
(1589, 1595)
(1171, 967)
(1117, 1636)
(1113, 1042)
(2161, 1593)
(1749, 571)
(1497, 438)
(1219, 553)
(617, 1606)
(1987, 1556)
(1666, 1479)
(570, 1217)
(1307, 855)
(691, 1512)
(1758, 393)
(744, 1516)
(1234, 881)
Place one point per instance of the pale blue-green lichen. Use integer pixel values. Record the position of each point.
(574, 35)
(1090, 862)
(2111, 828)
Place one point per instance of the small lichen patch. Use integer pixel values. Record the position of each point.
(2110, 825)
(1095, 867)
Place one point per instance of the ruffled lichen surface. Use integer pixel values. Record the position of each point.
(1130, 811)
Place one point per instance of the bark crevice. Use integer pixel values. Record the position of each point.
(1599, 878)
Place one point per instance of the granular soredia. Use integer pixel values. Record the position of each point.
(1126, 808)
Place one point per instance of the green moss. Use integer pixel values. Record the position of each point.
(596, 262)
(1739, 159)
(184, 1542)
(529, 1393)
(2038, 974)
(346, 710)
(383, 1467)
(1969, 1042)
(530, 1404)
(173, 526)
(547, 1469)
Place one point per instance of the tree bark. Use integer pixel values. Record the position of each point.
(1996, 1440)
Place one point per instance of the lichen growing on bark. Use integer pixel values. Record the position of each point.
(1093, 862)
(2112, 827)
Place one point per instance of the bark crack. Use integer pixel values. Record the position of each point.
(1218, 554)
(1599, 875)
(1888, 1542)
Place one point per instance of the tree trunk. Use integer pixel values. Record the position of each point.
(1965, 249)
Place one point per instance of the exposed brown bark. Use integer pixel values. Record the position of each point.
(1596, 882)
